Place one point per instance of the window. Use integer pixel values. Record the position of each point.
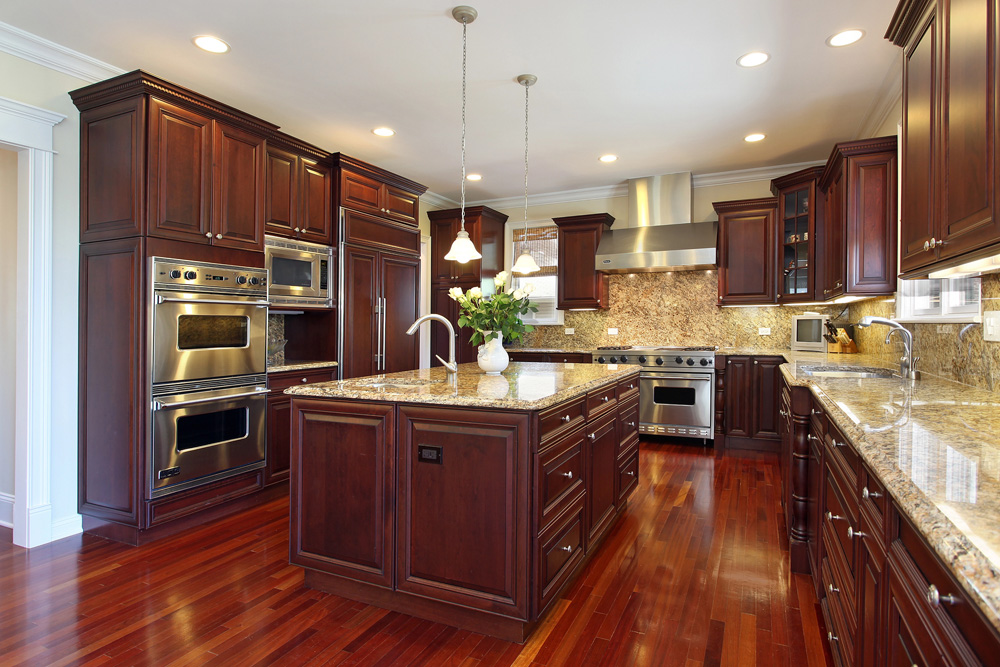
(954, 299)
(541, 240)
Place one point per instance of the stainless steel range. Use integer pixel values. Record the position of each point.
(676, 387)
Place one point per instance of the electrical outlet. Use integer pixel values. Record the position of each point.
(613, 331)
(570, 331)
(764, 331)
(946, 328)
(991, 325)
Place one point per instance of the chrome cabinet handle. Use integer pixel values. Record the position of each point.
(833, 589)
(385, 318)
(836, 444)
(813, 437)
(839, 284)
(305, 379)
(566, 549)
(832, 637)
(564, 419)
(934, 597)
(592, 437)
(630, 473)
(630, 424)
(604, 399)
(218, 236)
(851, 533)
(208, 235)
(814, 411)
(297, 229)
(568, 475)
(160, 405)
(866, 494)
(755, 362)
(830, 516)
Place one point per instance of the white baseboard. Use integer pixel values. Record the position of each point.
(66, 526)
(6, 510)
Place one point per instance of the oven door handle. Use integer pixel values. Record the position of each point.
(210, 302)
(706, 378)
(160, 405)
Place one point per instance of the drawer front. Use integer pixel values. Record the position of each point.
(600, 400)
(840, 634)
(843, 452)
(628, 447)
(562, 418)
(527, 356)
(628, 477)
(560, 551)
(817, 421)
(628, 419)
(872, 498)
(839, 520)
(560, 476)
(628, 389)
(278, 382)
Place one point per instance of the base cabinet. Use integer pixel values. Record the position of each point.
(750, 388)
(279, 419)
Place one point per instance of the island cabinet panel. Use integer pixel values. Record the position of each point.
(462, 504)
(560, 476)
(602, 477)
(342, 489)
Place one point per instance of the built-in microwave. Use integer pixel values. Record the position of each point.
(807, 333)
(298, 272)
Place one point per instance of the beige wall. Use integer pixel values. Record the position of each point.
(8, 313)
(33, 84)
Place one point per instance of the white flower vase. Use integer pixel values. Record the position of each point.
(493, 358)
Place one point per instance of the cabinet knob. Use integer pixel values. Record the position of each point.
(816, 412)
(592, 437)
(631, 424)
(835, 443)
(934, 597)
(839, 284)
(218, 236)
(833, 589)
(812, 437)
(568, 475)
(826, 291)
(564, 419)
(851, 533)
(755, 362)
(832, 637)
(866, 494)
(567, 549)
(305, 379)
(781, 411)
(208, 235)
(631, 473)
(297, 229)
(830, 516)
(604, 399)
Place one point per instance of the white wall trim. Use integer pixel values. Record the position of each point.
(750, 175)
(889, 96)
(23, 128)
(6, 510)
(41, 51)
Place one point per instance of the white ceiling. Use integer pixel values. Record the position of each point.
(654, 81)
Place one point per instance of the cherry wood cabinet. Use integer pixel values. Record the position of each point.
(550, 357)
(859, 230)
(279, 415)
(581, 286)
(799, 487)
(949, 171)
(298, 199)
(800, 215)
(751, 390)
(746, 251)
(369, 189)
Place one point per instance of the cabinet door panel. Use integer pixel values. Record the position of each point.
(399, 277)
(360, 292)
(280, 192)
(279, 424)
(746, 268)
(835, 256)
(239, 189)
(360, 192)
(180, 172)
(463, 516)
(871, 225)
(341, 489)
(765, 387)
(400, 205)
(602, 477)
(316, 210)
(738, 399)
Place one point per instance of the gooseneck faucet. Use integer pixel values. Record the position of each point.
(907, 363)
(451, 365)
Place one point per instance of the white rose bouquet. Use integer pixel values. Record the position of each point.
(496, 315)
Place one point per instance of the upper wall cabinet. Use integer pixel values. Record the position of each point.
(800, 215)
(949, 174)
(859, 230)
(298, 200)
(581, 286)
(746, 252)
(163, 161)
(369, 189)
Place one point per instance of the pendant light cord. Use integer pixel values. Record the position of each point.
(526, 163)
(465, 26)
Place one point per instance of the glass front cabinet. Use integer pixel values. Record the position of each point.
(798, 213)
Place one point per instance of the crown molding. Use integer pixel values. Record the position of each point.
(750, 175)
(42, 52)
(436, 201)
(889, 96)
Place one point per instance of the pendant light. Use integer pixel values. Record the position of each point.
(525, 262)
(462, 249)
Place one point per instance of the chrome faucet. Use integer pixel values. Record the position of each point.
(451, 365)
(907, 363)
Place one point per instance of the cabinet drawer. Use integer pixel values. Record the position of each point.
(400, 204)
(278, 382)
(628, 447)
(842, 451)
(560, 551)
(560, 476)
(838, 522)
(561, 418)
(628, 389)
(569, 358)
(600, 400)
(628, 477)
(628, 419)
(840, 633)
(527, 356)
(817, 421)
(872, 498)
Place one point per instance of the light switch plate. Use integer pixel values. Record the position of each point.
(570, 331)
(764, 331)
(991, 325)
(613, 331)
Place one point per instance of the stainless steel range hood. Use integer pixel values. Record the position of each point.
(659, 235)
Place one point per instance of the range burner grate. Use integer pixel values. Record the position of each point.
(615, 347)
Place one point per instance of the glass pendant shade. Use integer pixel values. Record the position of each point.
(525, 264)
(462, 249)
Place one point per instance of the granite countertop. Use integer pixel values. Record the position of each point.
(935, 444)
(301, 366)
(523, 386)
(550, 350)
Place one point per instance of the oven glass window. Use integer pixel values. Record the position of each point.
(212, 428)
(290, 272)
(199, 332)
(673, 395)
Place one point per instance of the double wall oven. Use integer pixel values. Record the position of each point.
(208, 329)
(676, 388)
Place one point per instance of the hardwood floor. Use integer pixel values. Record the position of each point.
(696, 573)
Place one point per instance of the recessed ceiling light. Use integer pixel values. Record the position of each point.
(753, 59)
(474, 177)
(608, 158)
(846, 37)
(756, 136)
(210, 44)
(384, 131)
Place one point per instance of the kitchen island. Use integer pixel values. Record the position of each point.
(469, 499)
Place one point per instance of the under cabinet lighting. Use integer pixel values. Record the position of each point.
(753, 59)
(845, 37)
(210, 44)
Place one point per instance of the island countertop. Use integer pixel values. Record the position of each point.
(522, 386)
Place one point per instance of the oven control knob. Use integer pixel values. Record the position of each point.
(241, 280)
(190, 275)
(678, 360)
(623, 359)
(613, 360)
(690, 361)
(659, 361)
(704, 362)
(642, 360)
(255, 281)
(175, 274)
(601, 360)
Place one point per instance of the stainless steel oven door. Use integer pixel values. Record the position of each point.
(679, 400)
(198, 336)
(207, 435)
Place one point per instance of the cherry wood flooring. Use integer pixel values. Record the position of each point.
(696, 573)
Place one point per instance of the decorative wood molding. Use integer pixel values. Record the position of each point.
(852, 148)
(745, 204)
(905, 19)
(42, 52)
(379, 174)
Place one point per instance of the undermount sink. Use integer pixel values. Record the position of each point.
(857, 372)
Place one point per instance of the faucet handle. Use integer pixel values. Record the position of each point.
(451, 367)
